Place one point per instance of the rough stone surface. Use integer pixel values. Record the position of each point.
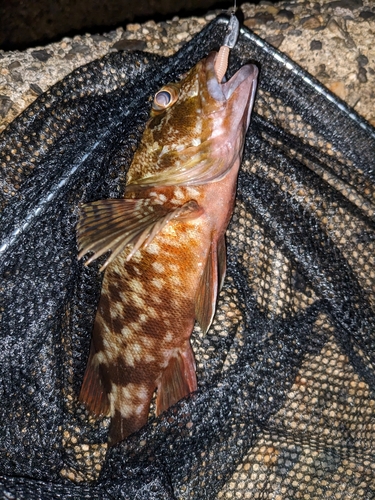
(125, 44)
(316, 45)
(41, 55)
(330, 40)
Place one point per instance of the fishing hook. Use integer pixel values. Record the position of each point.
(230, 40)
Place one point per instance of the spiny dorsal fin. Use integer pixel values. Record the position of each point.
(178, 379)
(113, 224)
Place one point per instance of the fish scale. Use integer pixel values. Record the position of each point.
(142, 335)
(167, 242)
(144, 303)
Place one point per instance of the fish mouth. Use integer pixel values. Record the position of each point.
(223, 91)
(247, 73)
(240, 87)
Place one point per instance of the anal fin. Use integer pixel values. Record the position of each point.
(178, 379)
(92, 392)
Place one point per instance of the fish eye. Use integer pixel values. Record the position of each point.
(164, 98)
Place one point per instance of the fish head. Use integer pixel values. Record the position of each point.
(229, 104)
(195, 123)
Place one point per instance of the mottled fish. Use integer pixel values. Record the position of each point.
(166, 237)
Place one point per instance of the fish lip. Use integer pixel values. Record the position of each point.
(247, 73)
(223, 91)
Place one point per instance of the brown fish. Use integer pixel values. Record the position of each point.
(166, 237)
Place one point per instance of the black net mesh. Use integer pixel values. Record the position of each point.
(285, 406)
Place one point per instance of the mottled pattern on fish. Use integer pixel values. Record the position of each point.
(168, 249)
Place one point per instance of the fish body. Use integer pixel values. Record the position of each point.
(167, 244)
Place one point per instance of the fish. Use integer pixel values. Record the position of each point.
(166, 239)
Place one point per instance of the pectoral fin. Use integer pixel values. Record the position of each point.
(113, 224)
(210, 284)
(191, 167)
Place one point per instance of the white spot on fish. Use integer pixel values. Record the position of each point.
(126, 410)
(196, 142)
(116, 310)
(158, 267)
(112, 396)
(157, 283)
(109, 349)
(148, 358)
(136, 258)
(175, 279)
(176, 302)
(141, 391)
(129, 358)
(133, 355)
(178, 193)
(137, 270)
(173, 241)
(136, 286)
(169, 231)
(152, 312)
(135, 326)
(126, 332)
(137, 300)
(101, 358)
(128, 391)
(153, 248)
(129, 394)
(168, 337)
(136, 349)
(192, 192)
(162, 197)
(147, 343)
